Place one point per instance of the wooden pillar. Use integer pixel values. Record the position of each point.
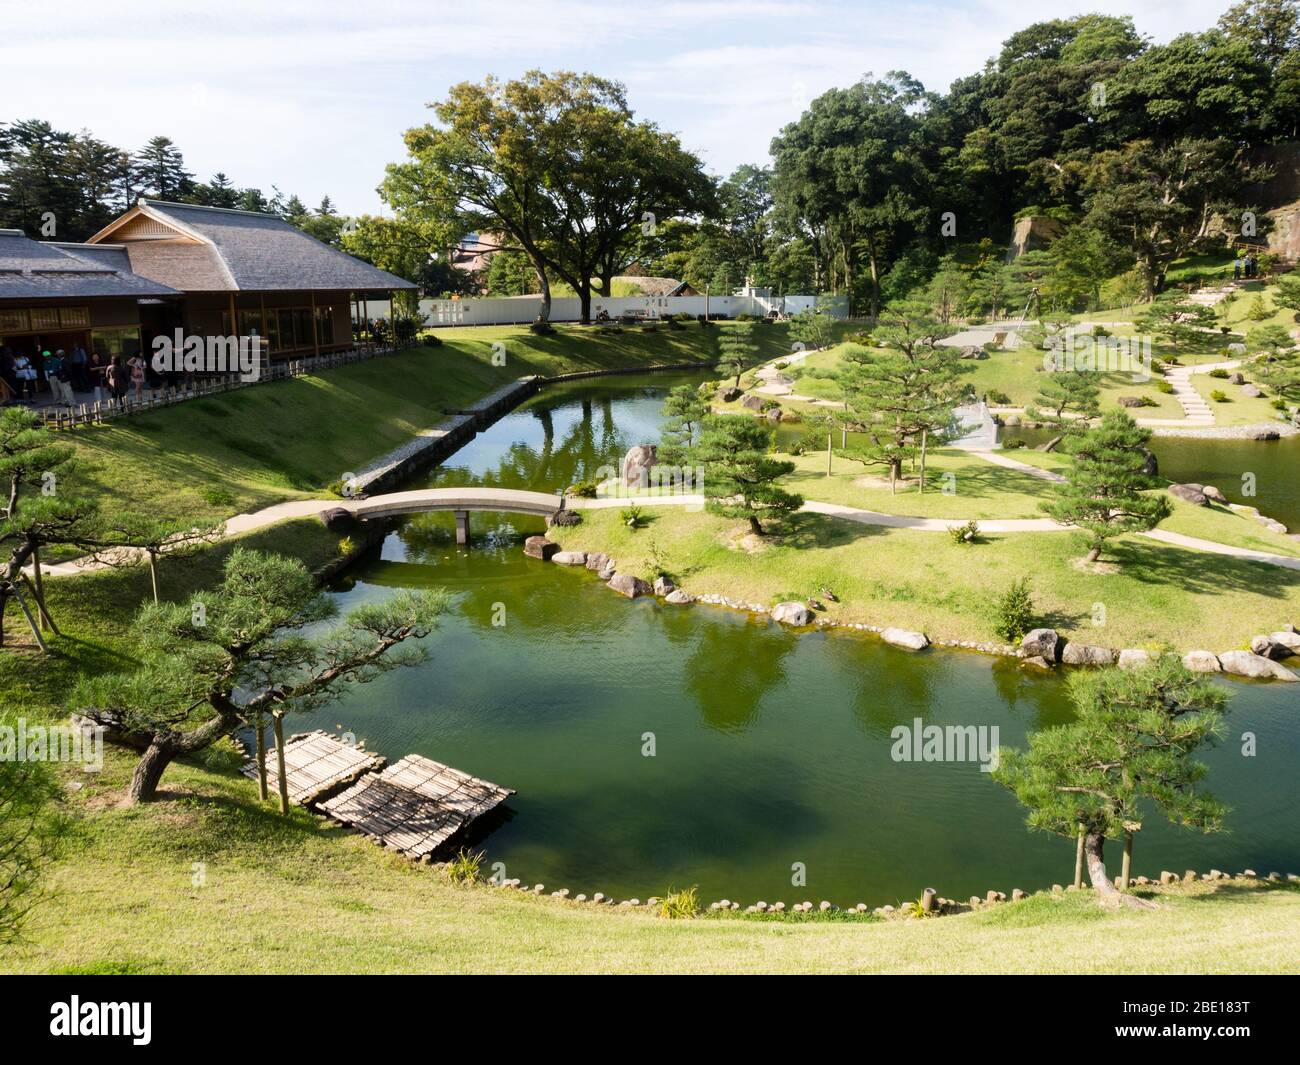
(462, 528)
(315, 328)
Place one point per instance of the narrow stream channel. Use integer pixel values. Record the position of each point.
(773, 748)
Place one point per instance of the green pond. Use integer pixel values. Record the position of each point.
(772, 749)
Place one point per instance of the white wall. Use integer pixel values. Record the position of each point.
(520, 309)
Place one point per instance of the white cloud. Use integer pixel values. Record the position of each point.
(314, 96)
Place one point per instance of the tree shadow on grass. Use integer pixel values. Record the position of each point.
(1156, 563)
(818, 530)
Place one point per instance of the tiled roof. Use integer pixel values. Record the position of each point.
(254, 252)
(32, 270)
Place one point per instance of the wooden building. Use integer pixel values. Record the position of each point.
(56, 296)
(244, 273)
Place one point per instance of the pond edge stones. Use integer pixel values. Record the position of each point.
(907, 639)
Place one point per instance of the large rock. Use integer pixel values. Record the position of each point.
(906, 638)
(1249, 664)
(1130, 401)
(627, 585)
(338, 519)
(1268, 647)
(637, 463)
(1213, 494)
(1252, 391)
(570, 558)
(1150, 464)
(1238, 378)
(1133, 658)
(597, 560)
(1288, 639)
(1264, 434)
(1190, 493)
(753, 402)
(678, 598)
(540, 547)
(730, 394)
(1202, 662)
(1042, 643)
(664, 585)
(792, 613)
(1082, 654)
(565, 517)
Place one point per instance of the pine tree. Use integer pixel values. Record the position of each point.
(1069, 392)
(684, 410)
(162, 170)
(737, 349)
(1104, 492)
(1134, 737)
(739, 474)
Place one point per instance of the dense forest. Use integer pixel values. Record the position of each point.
(56, 185)
(1138, 154)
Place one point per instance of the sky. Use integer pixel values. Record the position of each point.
(313, 95)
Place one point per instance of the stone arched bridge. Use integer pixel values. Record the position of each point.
(460, 501)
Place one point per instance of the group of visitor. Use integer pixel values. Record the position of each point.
(1245, 267)
(67, 374)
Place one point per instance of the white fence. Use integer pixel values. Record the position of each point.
(519, 309)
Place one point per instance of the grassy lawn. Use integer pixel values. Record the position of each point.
(1237, 409)
(299, 896)
(978, 489)
(1155, 594)
(215, 457)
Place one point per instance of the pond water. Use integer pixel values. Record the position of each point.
(771, 748)
(1263, 474)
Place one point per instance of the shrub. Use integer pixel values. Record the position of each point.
(217, 497)
(965, 534)
(1222, 375)
(632, 517)
(583, 489)
(680, 905)
(464, 868)
(1165, 387)
(431, 340)
(1100, 331)
(541, 329)
(1012, 445)
(998, 399)
(1279, 404)
(1014, 611)
(1219, 396)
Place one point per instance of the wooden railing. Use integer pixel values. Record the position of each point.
(100, 411)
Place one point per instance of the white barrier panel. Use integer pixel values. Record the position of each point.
(517, 310)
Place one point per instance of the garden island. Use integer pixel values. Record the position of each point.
(671, 572)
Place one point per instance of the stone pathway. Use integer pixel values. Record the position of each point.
(1197, 412)
(1000, 459)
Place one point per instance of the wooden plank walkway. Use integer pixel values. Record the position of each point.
(317, 764)
(415, 805)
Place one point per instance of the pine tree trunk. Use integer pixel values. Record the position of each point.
(1093, 845)
(924, 435)
(754, 526)
(1078, 861)
(277, 723)
(148, 772)
(1094, 554)
(261, 755)
(153, 574)
(1127, 863)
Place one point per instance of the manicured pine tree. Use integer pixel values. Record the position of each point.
(1076, 393)
(1135, 737)
(736, 350)
(1105, 490)
(237, 653)
(739, 473)
(684, 410)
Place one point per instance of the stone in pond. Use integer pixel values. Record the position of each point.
(1249, 664)
(664, 585)
(628, 585)
(570, 558)
(540, 547)
(1041, 643)
(1202, 662)
(906, 639)
(792, 613)
(1134, 658)
(1082, 654)
(678, 598)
